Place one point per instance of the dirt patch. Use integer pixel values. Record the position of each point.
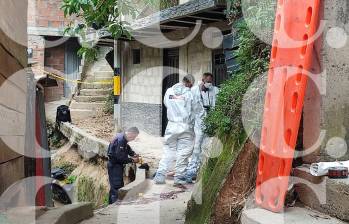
(92, 180)
(101, 125)
(239, 184)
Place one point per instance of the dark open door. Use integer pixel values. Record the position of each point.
(220, 71)
(71, 65)
(171, 77)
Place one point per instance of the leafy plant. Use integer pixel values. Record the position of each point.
(253, 56)
(71, 179)
(106, 15)
(55, 138)
(225, 120)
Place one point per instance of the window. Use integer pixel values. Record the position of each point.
(136, 54)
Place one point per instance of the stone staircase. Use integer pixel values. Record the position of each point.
(93, 95)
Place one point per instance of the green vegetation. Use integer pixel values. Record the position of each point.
(87, 191)
(55, 138)
(225, 120)
(104, 15)
(164, 4)
(66, 166)
(71, 179)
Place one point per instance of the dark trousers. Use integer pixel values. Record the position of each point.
(116, 180)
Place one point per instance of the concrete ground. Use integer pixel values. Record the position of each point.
(160, 204)
(294, 215)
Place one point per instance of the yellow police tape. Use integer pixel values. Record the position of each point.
(102, 82)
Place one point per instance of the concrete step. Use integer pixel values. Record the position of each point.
(296, 215)
(105, 68)
(86, 106)
(78, 114)
(98, 79)
(96, 86)
(101, 98)
(68, 214)
(328, 196)
(95, 92)
(100, 73)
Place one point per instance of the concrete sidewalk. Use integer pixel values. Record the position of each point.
(159, 204)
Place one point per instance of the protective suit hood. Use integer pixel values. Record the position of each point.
(180, 89)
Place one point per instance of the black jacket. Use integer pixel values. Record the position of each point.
(119, 151)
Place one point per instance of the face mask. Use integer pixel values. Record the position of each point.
(208, 85)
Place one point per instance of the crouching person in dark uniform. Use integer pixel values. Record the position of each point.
(120, 154)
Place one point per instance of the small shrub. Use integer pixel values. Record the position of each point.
(88, 191)
(55, 138)
(71, 179)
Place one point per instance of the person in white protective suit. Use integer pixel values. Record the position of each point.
(179, 134)
(205, 95)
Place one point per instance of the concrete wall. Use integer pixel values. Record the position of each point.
(142, 84)
(142, 89)
(330, 112)
(195, 58)
(13, 58)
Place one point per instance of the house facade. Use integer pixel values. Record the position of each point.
(149, 69)
(49, 50)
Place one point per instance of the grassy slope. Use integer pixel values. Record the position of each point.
(213, 175)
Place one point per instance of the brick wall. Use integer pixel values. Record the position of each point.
(46, 13)
(54, 58)
(45, 18)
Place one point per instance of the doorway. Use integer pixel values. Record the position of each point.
(170, 78)
(220, 71)
(71, 65)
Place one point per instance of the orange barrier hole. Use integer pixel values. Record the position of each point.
(294, 101)
(282, 167)
(309, 16)
(305, 46)
(261, 165)
(288, 136)
(299, 75)
(274, 50)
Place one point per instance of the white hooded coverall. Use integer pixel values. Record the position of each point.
(179, 134)
(201, 98)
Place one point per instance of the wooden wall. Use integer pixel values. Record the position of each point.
(13, 59)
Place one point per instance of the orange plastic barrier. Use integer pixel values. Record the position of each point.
(295, 27)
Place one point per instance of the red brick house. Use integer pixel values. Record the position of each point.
(48, 48)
